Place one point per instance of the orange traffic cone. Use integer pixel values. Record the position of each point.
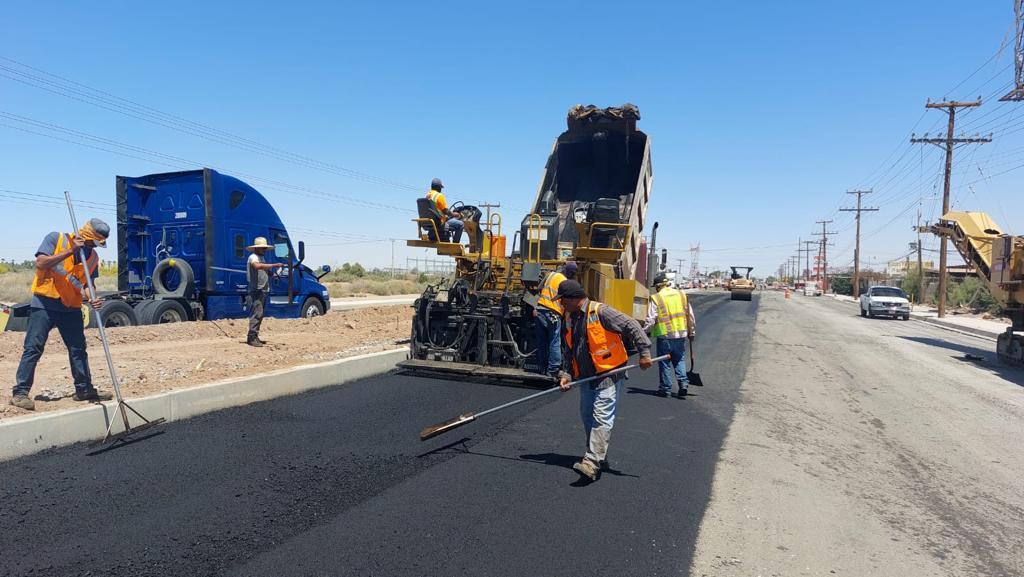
(787, 293)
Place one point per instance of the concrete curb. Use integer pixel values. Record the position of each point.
(24, 436)
(956, 327)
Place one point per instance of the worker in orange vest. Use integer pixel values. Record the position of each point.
(58, 290)
(452, 224)
(596, 338)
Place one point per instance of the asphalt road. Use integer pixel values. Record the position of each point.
(336, 482)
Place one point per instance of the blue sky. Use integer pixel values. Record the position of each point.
(761, 114)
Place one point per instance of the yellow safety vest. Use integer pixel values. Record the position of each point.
(671, 304)
(439, 202)
(65, 285)
(550, 291)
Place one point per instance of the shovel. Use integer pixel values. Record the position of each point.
(466, 418)
(691, 375)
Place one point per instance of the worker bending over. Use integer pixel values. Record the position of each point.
(594, 335)
(670, 320)
(58, 290)
(548, 321)
(452, 224)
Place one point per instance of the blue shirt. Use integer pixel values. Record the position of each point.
(48, 248)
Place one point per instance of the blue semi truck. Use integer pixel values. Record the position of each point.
(182, 239)
(181, 242)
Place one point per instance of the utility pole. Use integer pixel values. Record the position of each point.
(824, 252)
(799, 253)
(807, 256)
(856, 250)
(488, 206)
(947, 142)
(1017, 94)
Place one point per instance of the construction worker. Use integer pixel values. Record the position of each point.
(257, 274)
(548, 322)
(670, 320)
(452, 224)
(594, 335)
(58, 290)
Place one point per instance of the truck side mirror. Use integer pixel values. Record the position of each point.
(302, 251)
(323, 272)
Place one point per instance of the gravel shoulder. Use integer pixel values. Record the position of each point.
(867, 447)
(156, 358)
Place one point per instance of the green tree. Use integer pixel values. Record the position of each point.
(841, 285)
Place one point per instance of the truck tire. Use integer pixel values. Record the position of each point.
(117, 313)
(163, 311)
(188, 278)
(312, 307)
(862, 312)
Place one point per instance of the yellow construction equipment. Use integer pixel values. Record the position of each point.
(739, 285)
(590, 208)
(997, 259)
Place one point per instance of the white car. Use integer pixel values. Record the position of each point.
(885, 301)
(811, 289)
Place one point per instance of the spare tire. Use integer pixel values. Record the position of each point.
(186, 285)
(162, 311)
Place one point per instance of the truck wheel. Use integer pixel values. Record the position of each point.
(163, 311)
(115, 313)
(312, 307)
(169, 267)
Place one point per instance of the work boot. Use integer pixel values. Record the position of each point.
(23, 402)
(254, 342)
(587, 469)
(682, 394)
(91, 394)
(661, 393)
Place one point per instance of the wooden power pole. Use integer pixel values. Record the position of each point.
(824, 253)
(856, 250)
(948, 143)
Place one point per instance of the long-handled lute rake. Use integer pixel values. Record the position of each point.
(122, 406)
(466, 418)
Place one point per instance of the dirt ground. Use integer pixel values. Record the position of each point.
(151, 359)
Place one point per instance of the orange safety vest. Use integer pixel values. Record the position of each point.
(65, 284)
(606, 348)
(439, 203)
(550, 291)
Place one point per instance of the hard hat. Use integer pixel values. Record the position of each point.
(660, 279)
(436, 184)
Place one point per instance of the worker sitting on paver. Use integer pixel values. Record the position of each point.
(670, 316)
(548, 322)
(58, 289)
(594, 335)
(452, 224)
(259, 282)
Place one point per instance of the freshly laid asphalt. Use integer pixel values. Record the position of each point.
(337, 482)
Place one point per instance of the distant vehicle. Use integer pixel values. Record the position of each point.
(812, 289)
(885, 301)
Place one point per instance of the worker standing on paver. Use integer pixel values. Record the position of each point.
(58, 290)
(257, 273)
(548, 322)
(452, 224)
(594, 335)
(670, 320)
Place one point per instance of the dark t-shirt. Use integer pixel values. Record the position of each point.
(48, 248)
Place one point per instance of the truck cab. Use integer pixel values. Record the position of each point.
(183, 237)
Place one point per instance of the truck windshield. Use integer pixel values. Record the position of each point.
(887, 292)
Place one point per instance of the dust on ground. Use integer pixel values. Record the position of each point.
(156, 358)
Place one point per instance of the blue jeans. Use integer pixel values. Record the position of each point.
(677, 362)
(40, 322)
(454, 227)
(597, 410)
(547, 328)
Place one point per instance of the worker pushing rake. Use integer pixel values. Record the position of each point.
(597, 338)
